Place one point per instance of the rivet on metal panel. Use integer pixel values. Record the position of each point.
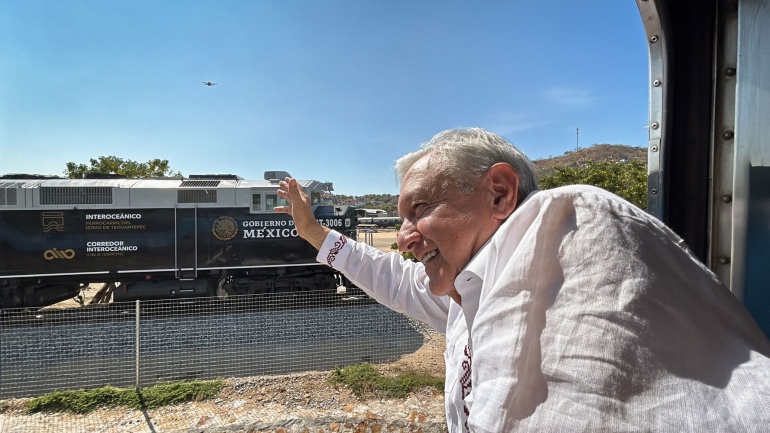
(723, 260)
(727, 198)
(654, 125)
(730, 72)
(727, 135)
(654, 148)
(654, 38)
(654, 191)
(656, 83)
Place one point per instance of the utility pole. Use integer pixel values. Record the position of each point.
(577, 139)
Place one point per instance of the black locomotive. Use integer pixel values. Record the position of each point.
(159, 238)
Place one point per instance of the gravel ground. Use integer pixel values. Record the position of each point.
(302, 402)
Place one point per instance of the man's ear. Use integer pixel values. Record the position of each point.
(504, 187)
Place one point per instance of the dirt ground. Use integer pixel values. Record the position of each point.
(378, 238)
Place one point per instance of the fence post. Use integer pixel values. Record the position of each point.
(1, 351)
(136, 344)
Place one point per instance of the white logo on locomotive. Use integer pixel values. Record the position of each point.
(270, 233)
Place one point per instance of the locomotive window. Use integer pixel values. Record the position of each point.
(256, 202)
(315, 197)
(272, 200)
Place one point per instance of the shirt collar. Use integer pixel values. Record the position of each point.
(472, 276)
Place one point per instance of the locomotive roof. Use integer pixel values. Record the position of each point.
(154, 183)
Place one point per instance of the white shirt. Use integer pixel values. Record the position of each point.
(585, 314)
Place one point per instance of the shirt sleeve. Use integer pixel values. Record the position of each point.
(597, 318)
(399, 284)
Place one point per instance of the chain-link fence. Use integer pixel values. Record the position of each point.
(144, 343)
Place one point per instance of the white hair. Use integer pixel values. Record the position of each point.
(464, 155)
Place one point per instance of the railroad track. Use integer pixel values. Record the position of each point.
(179, 307)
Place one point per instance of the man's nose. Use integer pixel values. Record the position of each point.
(407, 237)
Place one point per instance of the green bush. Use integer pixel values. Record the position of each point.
(85, 401)
(364, 380)
(627, 180)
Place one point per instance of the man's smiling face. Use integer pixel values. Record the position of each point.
(442, 227)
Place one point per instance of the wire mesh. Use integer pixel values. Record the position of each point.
(150, 342)
(46, 350)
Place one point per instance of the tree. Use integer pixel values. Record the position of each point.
(627, 180)
(119, 166)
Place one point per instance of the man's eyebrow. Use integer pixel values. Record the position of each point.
(405, 202)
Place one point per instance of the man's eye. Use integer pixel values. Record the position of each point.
(419, 208)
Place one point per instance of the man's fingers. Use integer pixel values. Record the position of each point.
(290, 190)
(295, 193)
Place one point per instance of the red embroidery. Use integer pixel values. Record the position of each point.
(335, 250)
(465, 381)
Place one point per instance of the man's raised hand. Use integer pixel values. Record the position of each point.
(299, 207)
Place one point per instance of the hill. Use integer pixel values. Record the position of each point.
(595, 153)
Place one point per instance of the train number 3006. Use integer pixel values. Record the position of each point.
(330, 222)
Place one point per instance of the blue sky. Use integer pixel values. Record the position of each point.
(324, 89)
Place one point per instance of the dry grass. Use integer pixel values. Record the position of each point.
(596, 153)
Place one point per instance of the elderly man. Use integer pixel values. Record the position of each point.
(564, 310)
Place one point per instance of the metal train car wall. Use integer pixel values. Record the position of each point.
(160, 238)
(709, 138)
(382, 222)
